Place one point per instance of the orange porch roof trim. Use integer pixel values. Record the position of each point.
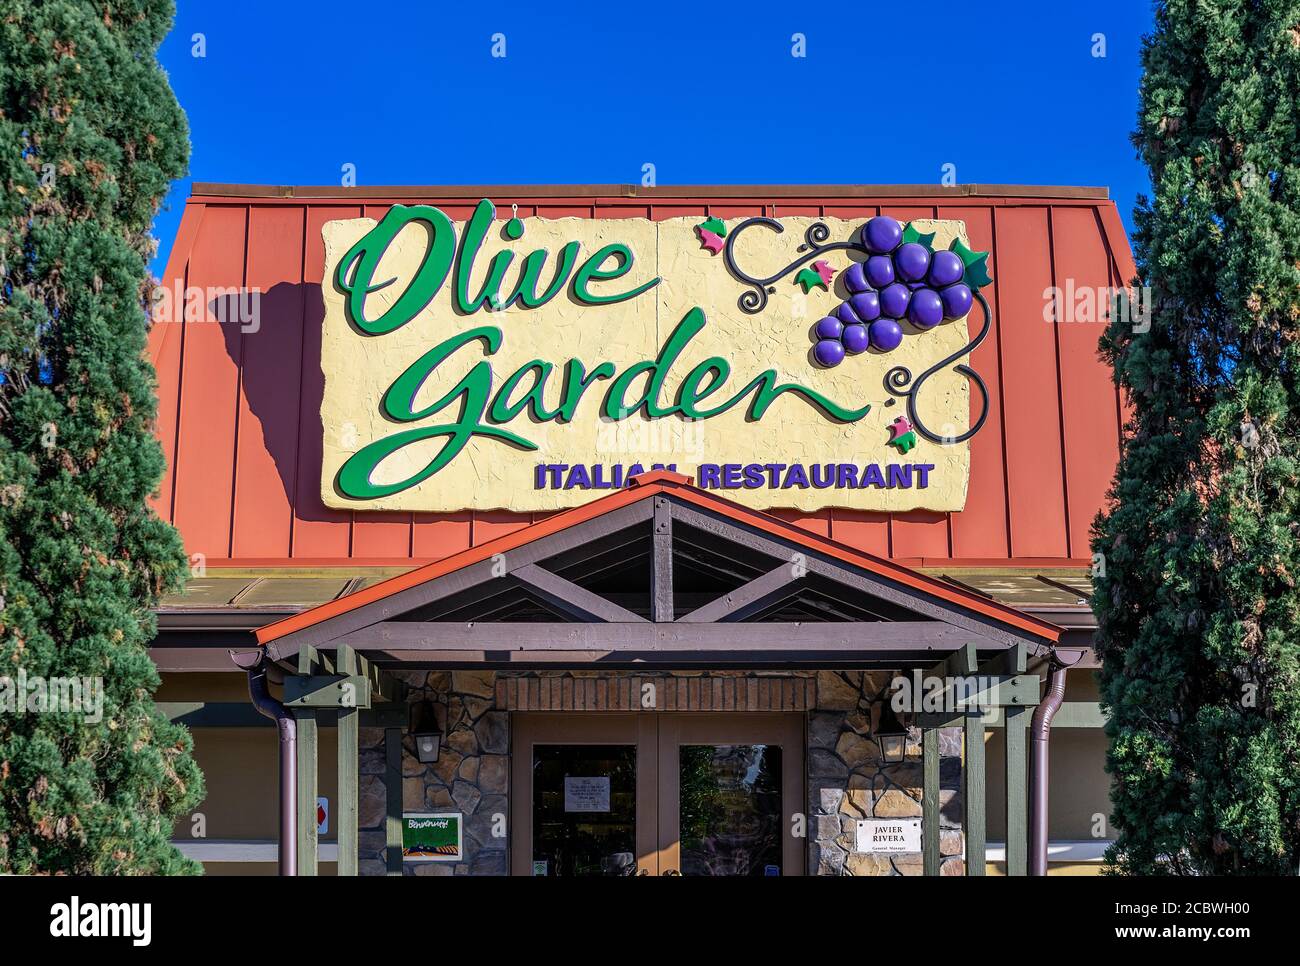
(680, 487)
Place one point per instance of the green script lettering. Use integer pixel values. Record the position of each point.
(357, 267)
(354, 275)
(354, 478)
(477, 402)
(591, 270)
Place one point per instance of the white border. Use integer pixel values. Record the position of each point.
(243, 850)
(1084, 850)
(460, 837)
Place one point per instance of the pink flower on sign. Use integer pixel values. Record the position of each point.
(710, 241)
(902, 435)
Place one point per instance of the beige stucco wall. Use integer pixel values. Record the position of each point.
(240, 770)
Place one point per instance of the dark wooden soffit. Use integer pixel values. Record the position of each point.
(216, 190)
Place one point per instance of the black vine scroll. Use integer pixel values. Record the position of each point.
(898, 380)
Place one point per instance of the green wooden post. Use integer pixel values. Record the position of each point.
(962, 663)
(305, 718)
(1016, 732)
(348, 754)
(930, 820)
(393, 786)
(308, 847)
(974, 790)
(1017, 794)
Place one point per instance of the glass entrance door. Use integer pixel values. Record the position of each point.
(656, 794)
(582, 795)
(584, 810)
(730, 786)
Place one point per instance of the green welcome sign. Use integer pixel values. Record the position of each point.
(431, 837)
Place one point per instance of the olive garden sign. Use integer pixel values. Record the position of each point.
(524, 363)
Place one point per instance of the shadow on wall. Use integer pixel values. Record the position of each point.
(275, 342)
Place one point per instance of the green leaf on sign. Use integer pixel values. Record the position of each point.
(977, 269)
(910, 234)
(714, 225)
(809, 279)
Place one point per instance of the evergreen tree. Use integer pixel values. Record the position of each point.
(1198, 604)
(90, 136)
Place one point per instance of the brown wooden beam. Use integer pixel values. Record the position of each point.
(758, 593)
(474, 575)
(327, 691)
(602, 554)
(570, 598)
(793, 638)
(729, 531)
(603, 660)
(661, 567)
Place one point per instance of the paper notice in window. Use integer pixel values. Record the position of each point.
(586, 794)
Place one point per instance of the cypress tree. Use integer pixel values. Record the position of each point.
(90, 136)
(1199, 555)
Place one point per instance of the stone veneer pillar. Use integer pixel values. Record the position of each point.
(471, 775)
(848, 780)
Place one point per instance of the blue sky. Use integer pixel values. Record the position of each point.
(1007, 91)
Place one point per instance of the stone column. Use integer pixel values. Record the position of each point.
(470, 775)
(848, 780)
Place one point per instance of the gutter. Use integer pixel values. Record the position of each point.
(256, 665)
(1040, 729)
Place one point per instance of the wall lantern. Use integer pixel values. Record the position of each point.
(891, 735)
(424, 729)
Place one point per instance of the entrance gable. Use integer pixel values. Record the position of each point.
(665, 568)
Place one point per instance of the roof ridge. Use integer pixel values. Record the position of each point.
(604, 191)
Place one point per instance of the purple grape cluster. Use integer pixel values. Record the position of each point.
(899, 280)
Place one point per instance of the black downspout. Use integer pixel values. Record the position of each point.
(255, 664)
(1040, 729)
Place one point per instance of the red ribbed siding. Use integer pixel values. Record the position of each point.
(239, 412)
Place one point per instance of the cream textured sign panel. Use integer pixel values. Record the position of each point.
(795, 455)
